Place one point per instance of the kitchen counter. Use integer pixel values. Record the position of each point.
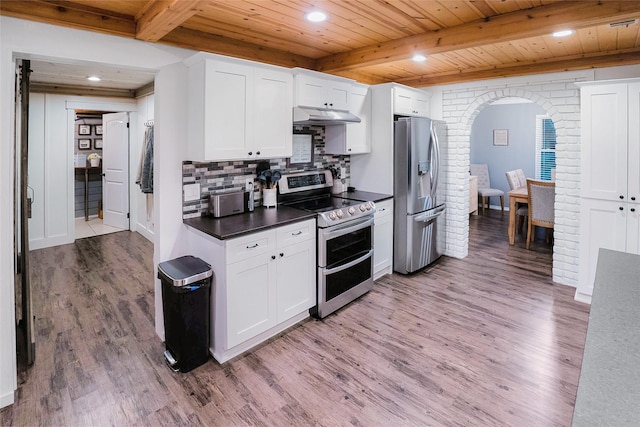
(237, 225)
(364, 196)
(609, 387)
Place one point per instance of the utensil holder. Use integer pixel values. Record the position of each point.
(338, 186)
(269, 198)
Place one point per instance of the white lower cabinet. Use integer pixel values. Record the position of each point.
(608, 225)
(263, 283)
(383, 239)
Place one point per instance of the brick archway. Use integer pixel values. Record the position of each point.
(561, 102)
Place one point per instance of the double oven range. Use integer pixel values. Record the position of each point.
(344, 236)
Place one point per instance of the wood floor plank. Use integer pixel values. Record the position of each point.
(486, 340)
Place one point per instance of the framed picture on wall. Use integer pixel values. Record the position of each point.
(84, 129)
(84, 144)
(97, 144)
(501, 137)
(98, 129)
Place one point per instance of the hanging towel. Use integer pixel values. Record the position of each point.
(146, 177)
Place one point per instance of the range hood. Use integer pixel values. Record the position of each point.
(322, 116)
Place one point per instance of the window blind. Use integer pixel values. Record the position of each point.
(545, 147)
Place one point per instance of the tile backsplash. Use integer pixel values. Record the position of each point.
(217, 176)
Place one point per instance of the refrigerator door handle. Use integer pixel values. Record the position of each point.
(430, 215)
(435, 170)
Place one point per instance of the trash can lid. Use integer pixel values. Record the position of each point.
(184, 270)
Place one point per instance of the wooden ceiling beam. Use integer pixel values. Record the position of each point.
(532, 22)
(71, 15)
(206, 42)
(554, 65)
(159, 17)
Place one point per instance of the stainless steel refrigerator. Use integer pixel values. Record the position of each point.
(419, 220)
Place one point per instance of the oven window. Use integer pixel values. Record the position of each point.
(342, 281)
(341, 250)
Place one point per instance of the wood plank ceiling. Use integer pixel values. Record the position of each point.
(372, 41)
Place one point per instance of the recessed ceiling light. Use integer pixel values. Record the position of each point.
(563, 33)
(418, 57)
(94, 78)
(316, 16)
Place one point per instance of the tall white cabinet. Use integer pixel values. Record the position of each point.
(610, 170)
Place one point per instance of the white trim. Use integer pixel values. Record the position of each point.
(7, 399)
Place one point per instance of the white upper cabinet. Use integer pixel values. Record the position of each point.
(313, 90)
(238, 111)
(352, 138)
(610, 150)
(410, 102)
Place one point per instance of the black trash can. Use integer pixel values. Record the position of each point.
(186, 289)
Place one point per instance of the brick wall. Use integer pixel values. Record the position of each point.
(561, 100)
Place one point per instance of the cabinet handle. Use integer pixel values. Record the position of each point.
(273, 257)
(381, 210)
(256, 245)
(325, 104)
(633, 197)
(251, 153)
(621, 197)
(281, 254)
(621, 208)
(633, 209)
(330, 105)
(296, 234)
(257, 153)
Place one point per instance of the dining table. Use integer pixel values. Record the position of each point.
(517, 195)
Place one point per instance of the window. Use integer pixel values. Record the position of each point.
(545, 147)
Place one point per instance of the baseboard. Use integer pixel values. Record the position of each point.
(7, 399)
(580, 297)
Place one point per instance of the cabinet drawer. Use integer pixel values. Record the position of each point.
(297, 232)
(250, 246)
(384, 208)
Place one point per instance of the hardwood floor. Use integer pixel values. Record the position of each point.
(487, 340)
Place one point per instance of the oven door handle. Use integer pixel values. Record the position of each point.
(337, 231)
(327, 271)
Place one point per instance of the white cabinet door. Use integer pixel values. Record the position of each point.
(273, 120)
(410, 102)
(604, 142)
(251, 302)
(228, 117)
(633, 149)
(296, 283)
(383, 238)
(316, 92)
(352, 138)
(603, 224)
(633, 229)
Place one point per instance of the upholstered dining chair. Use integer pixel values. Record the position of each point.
(542, 196)
(516, 179)
(484, 185)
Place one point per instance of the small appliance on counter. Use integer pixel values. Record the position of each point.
(226, 203)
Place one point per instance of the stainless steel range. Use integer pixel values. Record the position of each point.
(345, 238)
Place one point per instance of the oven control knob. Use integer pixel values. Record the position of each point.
(332, 216)
(352, 211)
(368, 206)
(339, 213)
(363, 208)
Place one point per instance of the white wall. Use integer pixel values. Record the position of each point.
(558, 95)
(32, 40)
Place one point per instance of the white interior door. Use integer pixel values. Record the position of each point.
(115, 169)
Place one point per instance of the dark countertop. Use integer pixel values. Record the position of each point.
(364, 196)
(237, 225)
(609, 387)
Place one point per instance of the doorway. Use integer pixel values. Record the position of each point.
(101, 173)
